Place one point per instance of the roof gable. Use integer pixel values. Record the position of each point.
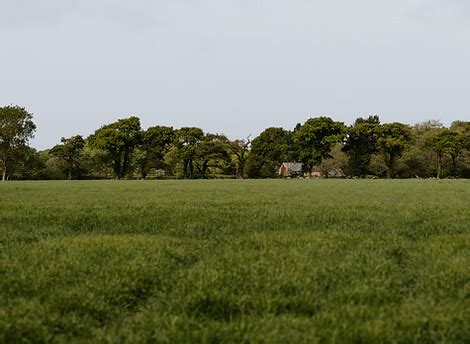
(293, 166)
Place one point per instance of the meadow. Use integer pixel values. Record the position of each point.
(268, 261)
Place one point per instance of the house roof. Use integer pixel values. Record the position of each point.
(293, 166)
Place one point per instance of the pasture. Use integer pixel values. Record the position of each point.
(272, 261)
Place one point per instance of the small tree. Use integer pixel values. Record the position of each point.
(16, 129)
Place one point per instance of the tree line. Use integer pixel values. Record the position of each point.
(125, 150)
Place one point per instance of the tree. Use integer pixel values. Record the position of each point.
(393, 139)
(118, 140)
(240, 149)
(212, 152)
(156, 141)
(360, 144)
(16, 128)
(27, 164)
(272, 147)
(418, 159)
(315, 139)
(438, 144)
(184, 152)
(70, 153)
(456, 144)
(462, 127)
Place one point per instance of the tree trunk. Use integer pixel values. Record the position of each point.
(439, 168)
(191, 169)
(454, 166)
(204, 170)
(4, 171)
(390, 166)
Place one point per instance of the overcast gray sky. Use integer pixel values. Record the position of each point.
(232, 66)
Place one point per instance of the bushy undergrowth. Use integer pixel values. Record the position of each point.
(235, 261)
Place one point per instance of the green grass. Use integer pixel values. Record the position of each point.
(274, 261)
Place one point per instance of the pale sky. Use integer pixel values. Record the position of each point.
(232, 66)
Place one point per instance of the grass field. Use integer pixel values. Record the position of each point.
(276, 261)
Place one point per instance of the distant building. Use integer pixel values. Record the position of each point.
(318, 172)
(290, 169)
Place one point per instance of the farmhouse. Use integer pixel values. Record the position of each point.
(318, 172)
(289, 169)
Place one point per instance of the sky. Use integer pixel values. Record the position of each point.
(232, 66)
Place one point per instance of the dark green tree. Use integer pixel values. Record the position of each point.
(360, 144)
(16, 128)
(27, 164)
(185, 150)
(393, 139)
(118, 140)
(156, 141)
(240, 149)
(315, 139)
(212, 152)
(69, 152)
(272, 147)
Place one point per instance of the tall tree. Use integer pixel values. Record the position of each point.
(456, 143)
(315, 139)
(186, 144)
(272, 147)
(118, 140)
(240, 149)
(393, 139)
(156, 141)
(70, 153)
(212, 152)
(16, 129)
(360, 144)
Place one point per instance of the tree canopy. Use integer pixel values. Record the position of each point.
(118, 140)
(361, 144)
(392, 140)
(16, 129)
(315, 139)
(322, 146)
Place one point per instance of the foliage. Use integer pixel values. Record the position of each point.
(124, 150)
(360, 145)
(70, 153)
(272, 147)
(27, 164)
(213, 152)
(294, 261)
(462, 127)
(118, 140)
(392, 140)
(315, 139)
(187, 142)
(241, 150)
(16, 128)
(156, 142)
(450, 143)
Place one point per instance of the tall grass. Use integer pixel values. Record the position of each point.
(235, 261)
